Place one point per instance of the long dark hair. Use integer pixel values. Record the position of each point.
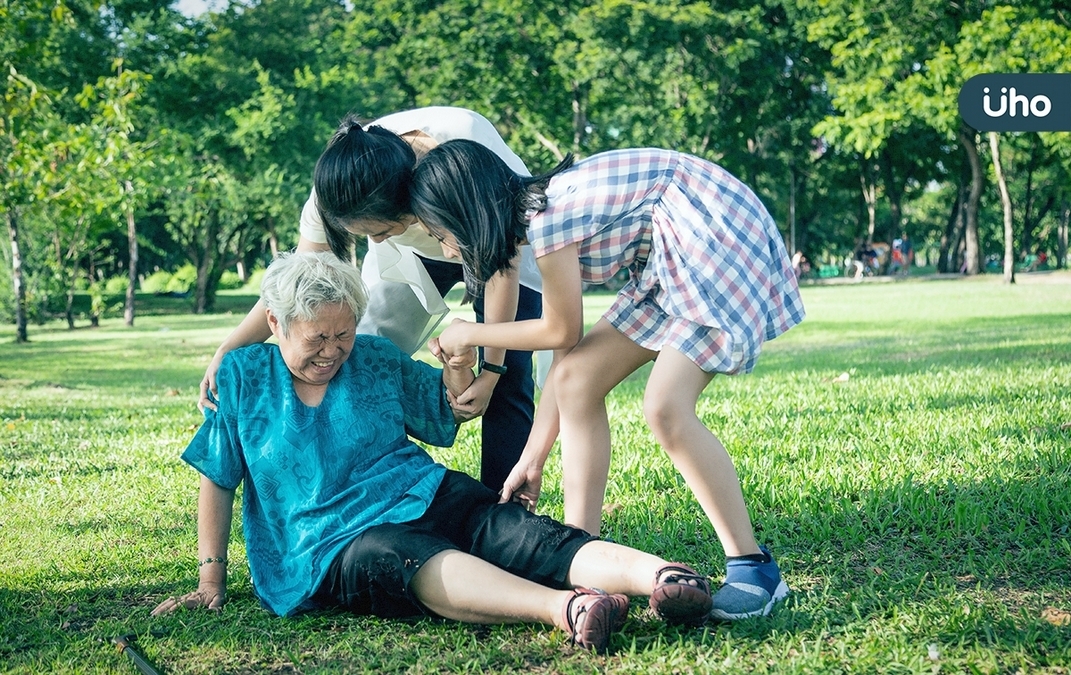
(465, 189)
(361, 174)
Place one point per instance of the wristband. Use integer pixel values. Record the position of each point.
(492, 368)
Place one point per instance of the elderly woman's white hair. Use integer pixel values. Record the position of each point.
(297, 284)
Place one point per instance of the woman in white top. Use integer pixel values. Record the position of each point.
(362, 189)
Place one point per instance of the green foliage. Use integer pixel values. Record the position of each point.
(252, 285)
(115, 285)
(182, 280)
(156, 282)
(205, 130)
(230, 281)
(915, 504)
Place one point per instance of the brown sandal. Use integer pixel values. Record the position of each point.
(676, 600)
(592, 616)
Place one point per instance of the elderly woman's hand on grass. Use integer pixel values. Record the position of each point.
(209, 595)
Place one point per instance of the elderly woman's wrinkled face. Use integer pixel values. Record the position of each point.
(315, 350)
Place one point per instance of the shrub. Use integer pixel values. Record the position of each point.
(230, 281)
(253, 284)
(115, 285)
(183, 280)
(156, 282)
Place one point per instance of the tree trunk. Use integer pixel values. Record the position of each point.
(65, 279)
(970, 235)
(132, 244)
(894, 193)
(200, 293)
(580, 117)
(1028, 200)
(791, 209)
(1031, 216)
(870, 198)
(69, 309)
(207, 260)
(946, 259)
(1005, 200)
(17, 282)
(1061, 236)
(273, 241)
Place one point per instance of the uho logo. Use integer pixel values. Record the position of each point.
(1017, 102)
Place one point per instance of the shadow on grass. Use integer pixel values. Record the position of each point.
(76, 627)
(873, 553)
(901, 558)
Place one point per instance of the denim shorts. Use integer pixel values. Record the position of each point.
(372, 574)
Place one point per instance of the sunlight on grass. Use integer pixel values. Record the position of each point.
(906, 452)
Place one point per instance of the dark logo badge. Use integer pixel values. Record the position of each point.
(1017, 102)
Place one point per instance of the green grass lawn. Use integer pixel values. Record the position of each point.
(906, 452)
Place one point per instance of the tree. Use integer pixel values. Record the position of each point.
(206, 208)
(1004, 39)
(122, 156)
(24, 125)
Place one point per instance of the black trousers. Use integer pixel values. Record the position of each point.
(373, 573)
(508, 419)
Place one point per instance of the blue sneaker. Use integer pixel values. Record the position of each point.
(751, 589)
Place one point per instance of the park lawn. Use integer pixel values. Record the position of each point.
(905, 452)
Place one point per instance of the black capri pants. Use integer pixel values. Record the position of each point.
(372, 574)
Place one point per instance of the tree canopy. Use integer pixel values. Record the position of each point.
(138, 140)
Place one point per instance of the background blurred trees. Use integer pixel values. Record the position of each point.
(136, 140)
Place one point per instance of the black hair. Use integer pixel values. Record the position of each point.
(361, 174)
(465, 189)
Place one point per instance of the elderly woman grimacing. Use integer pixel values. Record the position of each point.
(342, 509)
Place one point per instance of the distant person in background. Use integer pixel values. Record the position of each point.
(800, 265)
(1034, 261)
(865, 260)
(362, 189)
(897, 262)
(342, 510)
(902, 255)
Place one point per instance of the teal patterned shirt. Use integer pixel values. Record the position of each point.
(315, 478)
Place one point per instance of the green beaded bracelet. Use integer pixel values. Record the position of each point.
(206, 561)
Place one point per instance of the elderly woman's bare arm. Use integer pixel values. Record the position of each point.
(215, 508)
(458, 379)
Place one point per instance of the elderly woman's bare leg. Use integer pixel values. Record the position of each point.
(614, 568)
(677, 593)
(460, 586)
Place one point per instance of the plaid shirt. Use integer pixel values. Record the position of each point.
(708, 271)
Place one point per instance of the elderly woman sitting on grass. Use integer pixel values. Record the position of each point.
(342, 509)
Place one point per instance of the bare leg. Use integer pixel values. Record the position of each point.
(614, 569)
(669, 406)
(582, 380)
(463, 587)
